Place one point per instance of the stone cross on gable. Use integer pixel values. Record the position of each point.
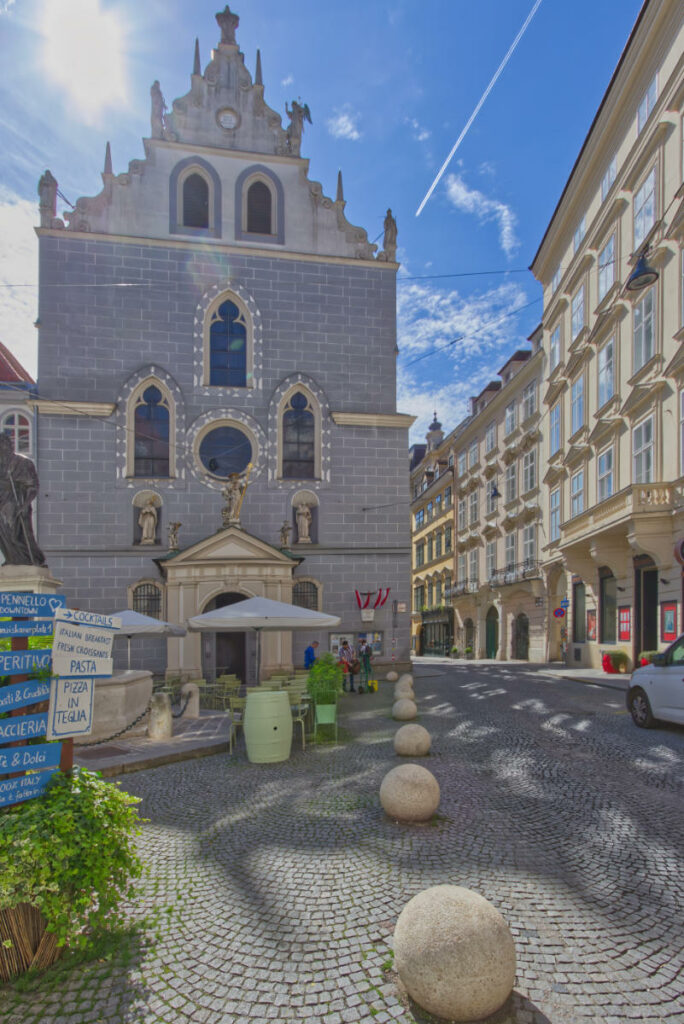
(228, 22)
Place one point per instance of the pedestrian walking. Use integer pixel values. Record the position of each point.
(348, 662)
(310, 654)
(365, 656)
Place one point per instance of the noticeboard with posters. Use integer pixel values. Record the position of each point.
(353, 639)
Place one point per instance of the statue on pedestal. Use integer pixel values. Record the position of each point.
(157, 113)
(285, 531)
(303, 516)
(228, 23)
(18, 488)
(233, 493)
(147, 521)
(389, 243)
(298, 114)
(47, 191)
(172, 530)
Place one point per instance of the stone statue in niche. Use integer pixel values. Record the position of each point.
(389, 252)
(228, 23)
(147, 521)
(285, 531)
(47, 191)
(233, 494)
(172, 530)
(18, 488)
(298, 114)
(157, 112)
(303, 516)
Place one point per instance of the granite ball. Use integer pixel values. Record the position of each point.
(403, 690)
(404, 710)
(391, 677)
(410, 793)
(412, 741)
(406, 678)
(454, 953)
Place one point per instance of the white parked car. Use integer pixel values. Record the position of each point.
(657, 690)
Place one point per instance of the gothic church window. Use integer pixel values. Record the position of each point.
(259, 209)
(227, 346)
(152, 434)
(299, 448)
(195, 202)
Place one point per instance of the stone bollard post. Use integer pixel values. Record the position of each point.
(193, 709)
(160, 723)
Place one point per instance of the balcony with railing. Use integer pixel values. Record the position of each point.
(634, 500)
(467, 586)
(529, 569)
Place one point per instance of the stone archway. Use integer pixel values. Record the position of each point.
(224, 653)
(492, 633)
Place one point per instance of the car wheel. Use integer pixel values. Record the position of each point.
(640, 709)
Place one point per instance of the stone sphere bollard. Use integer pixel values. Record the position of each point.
(160, 722)
(454, 953)
(412, 741)
(403, 690)
(406, 678)
(391, 677)
(410, 793)
(190, 690)
(404, 710)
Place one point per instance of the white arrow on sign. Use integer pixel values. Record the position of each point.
(88, 618)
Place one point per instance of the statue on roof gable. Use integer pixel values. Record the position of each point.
(389, 252)
(298, 114)
(47, 191)
(157, 112)
(228, 23)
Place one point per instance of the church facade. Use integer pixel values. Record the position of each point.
(217, 415)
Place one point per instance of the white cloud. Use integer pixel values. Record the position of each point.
(84, 54)
(433, 373)
(18, 266)
(288, 80)
(5, 6)
(471, 200)
(420, 134)
(343, 125)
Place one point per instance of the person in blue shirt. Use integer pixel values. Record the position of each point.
(310, 654)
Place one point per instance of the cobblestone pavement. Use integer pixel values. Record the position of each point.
(287, 879)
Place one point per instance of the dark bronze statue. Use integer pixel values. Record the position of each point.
(18, 488)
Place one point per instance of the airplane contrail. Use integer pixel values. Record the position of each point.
(477, 109)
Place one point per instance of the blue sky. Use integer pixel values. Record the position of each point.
(390, 86)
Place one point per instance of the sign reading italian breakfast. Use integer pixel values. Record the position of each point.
(18, 604)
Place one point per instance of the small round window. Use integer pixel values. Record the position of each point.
(225, 450)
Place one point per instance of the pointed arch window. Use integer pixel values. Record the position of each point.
(228, 346)
(299, 438)
(195, 201)
(259, 209)
(152, 434)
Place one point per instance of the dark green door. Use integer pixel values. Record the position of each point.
(492, 633)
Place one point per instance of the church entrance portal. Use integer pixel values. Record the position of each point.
(223, 653)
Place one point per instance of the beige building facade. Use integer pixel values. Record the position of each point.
(613, 384)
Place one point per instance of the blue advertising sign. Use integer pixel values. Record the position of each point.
(17, 662)
(18, 695)
(13, 791)
(33, 758)
(30, 604)
(23, 727)
(31, 627)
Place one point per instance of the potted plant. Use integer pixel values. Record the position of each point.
(615, 661)
(324, 684)
(468, 652)
(67, 858)
(645, 657)
(455, 652)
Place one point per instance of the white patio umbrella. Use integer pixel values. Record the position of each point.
(135, 624)
(260, 613)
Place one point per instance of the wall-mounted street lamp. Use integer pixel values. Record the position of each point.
(643, 275)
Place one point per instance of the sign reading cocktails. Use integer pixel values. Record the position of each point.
(82, 651)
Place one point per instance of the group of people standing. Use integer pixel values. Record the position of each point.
(356, 663)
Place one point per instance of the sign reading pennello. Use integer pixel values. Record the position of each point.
(71, 707)
(16, 663)
(33, 758)
(13, 791)
(18, 604)
(20, 695)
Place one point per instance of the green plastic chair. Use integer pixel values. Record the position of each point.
(299, 709)
(325, 711)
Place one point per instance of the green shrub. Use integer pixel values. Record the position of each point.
(620, 660)
(648, 655)
(71, 854)
(324, 674)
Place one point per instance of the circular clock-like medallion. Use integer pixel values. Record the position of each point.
(228, 118)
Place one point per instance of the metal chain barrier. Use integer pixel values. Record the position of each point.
(126, 728)
(183, 709)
